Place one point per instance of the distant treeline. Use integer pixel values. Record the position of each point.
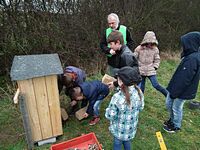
(72, 28)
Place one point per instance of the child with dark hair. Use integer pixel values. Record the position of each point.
(92, 92)
(124, 108)
(71, 77)
(121, 55)
(114, 25)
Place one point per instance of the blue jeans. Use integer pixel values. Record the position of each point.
(154, 83)
(96, 107)
(118, 144)
(175, 108)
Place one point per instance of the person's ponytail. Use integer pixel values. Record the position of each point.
(125, 90)
(139, 91)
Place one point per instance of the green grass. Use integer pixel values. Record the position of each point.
(12, 135)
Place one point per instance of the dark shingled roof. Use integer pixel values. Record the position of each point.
(31, 66)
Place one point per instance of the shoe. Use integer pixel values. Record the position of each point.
(194, 105)
(171, 129)
(168, 123)
(94, 121)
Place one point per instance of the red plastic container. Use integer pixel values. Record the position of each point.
(81, 142)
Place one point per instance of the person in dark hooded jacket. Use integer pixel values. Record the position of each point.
(184, 83)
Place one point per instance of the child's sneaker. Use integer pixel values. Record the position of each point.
(168, 123)
(94, 121)
(171, 129)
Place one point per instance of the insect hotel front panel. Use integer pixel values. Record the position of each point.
(36, 77)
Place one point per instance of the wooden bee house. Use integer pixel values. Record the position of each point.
(36, 77)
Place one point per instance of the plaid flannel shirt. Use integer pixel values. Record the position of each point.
(123, 117)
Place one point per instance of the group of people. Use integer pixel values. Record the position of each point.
(131, 67)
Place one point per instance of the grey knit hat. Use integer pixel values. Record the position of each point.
(129, 75)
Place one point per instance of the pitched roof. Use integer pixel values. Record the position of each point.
(31, 66)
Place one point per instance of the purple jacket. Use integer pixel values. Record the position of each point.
(81, 76)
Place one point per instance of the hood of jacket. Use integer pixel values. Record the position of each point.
(149, 37)
(190, 43)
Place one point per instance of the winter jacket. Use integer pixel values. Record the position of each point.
(80, 74)
(104, 45)
(93, 91)
(185, 81)
(124, 57)
(148, 60)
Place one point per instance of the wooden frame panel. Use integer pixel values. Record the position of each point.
(43, 107)
(27, 89)
(54, 104)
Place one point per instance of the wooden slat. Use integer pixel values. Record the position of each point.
(43, 107)
(54, 104)
(26, 88)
